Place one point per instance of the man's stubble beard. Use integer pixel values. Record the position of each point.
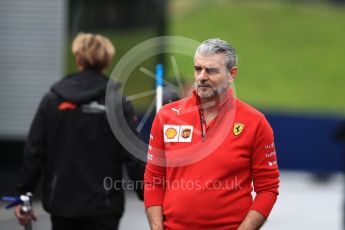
(215, 91)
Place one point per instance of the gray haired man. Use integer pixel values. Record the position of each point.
(204, 161)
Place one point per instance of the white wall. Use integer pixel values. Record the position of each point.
(32, 39)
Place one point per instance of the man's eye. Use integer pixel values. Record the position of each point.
(211, 70)
(197, 68)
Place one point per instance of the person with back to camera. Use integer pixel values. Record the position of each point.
(71, 145)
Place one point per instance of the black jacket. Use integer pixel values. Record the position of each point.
(72, 144)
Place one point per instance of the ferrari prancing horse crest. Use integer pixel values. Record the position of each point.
(238, 128)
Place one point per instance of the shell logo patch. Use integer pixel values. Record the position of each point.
(170, 133)
(185, 133)
(238, 128)
(178, 133)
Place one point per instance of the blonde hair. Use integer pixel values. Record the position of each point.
(93, 50)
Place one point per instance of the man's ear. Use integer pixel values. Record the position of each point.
(79, 63)
(233, 74)
(77, 59)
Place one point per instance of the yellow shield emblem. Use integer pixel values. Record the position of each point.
(170, 133)
(238, 128)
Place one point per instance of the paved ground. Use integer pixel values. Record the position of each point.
(303, 204)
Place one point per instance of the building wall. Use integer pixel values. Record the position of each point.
(32, 37)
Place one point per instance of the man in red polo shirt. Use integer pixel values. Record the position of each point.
(208, 151)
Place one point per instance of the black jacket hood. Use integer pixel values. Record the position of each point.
(82, 87)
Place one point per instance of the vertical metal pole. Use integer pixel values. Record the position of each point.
(159, 87)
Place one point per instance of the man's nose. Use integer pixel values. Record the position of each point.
(202, 76)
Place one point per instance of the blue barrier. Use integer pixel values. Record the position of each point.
(307, 142)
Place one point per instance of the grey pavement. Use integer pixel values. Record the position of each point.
(134, 217)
